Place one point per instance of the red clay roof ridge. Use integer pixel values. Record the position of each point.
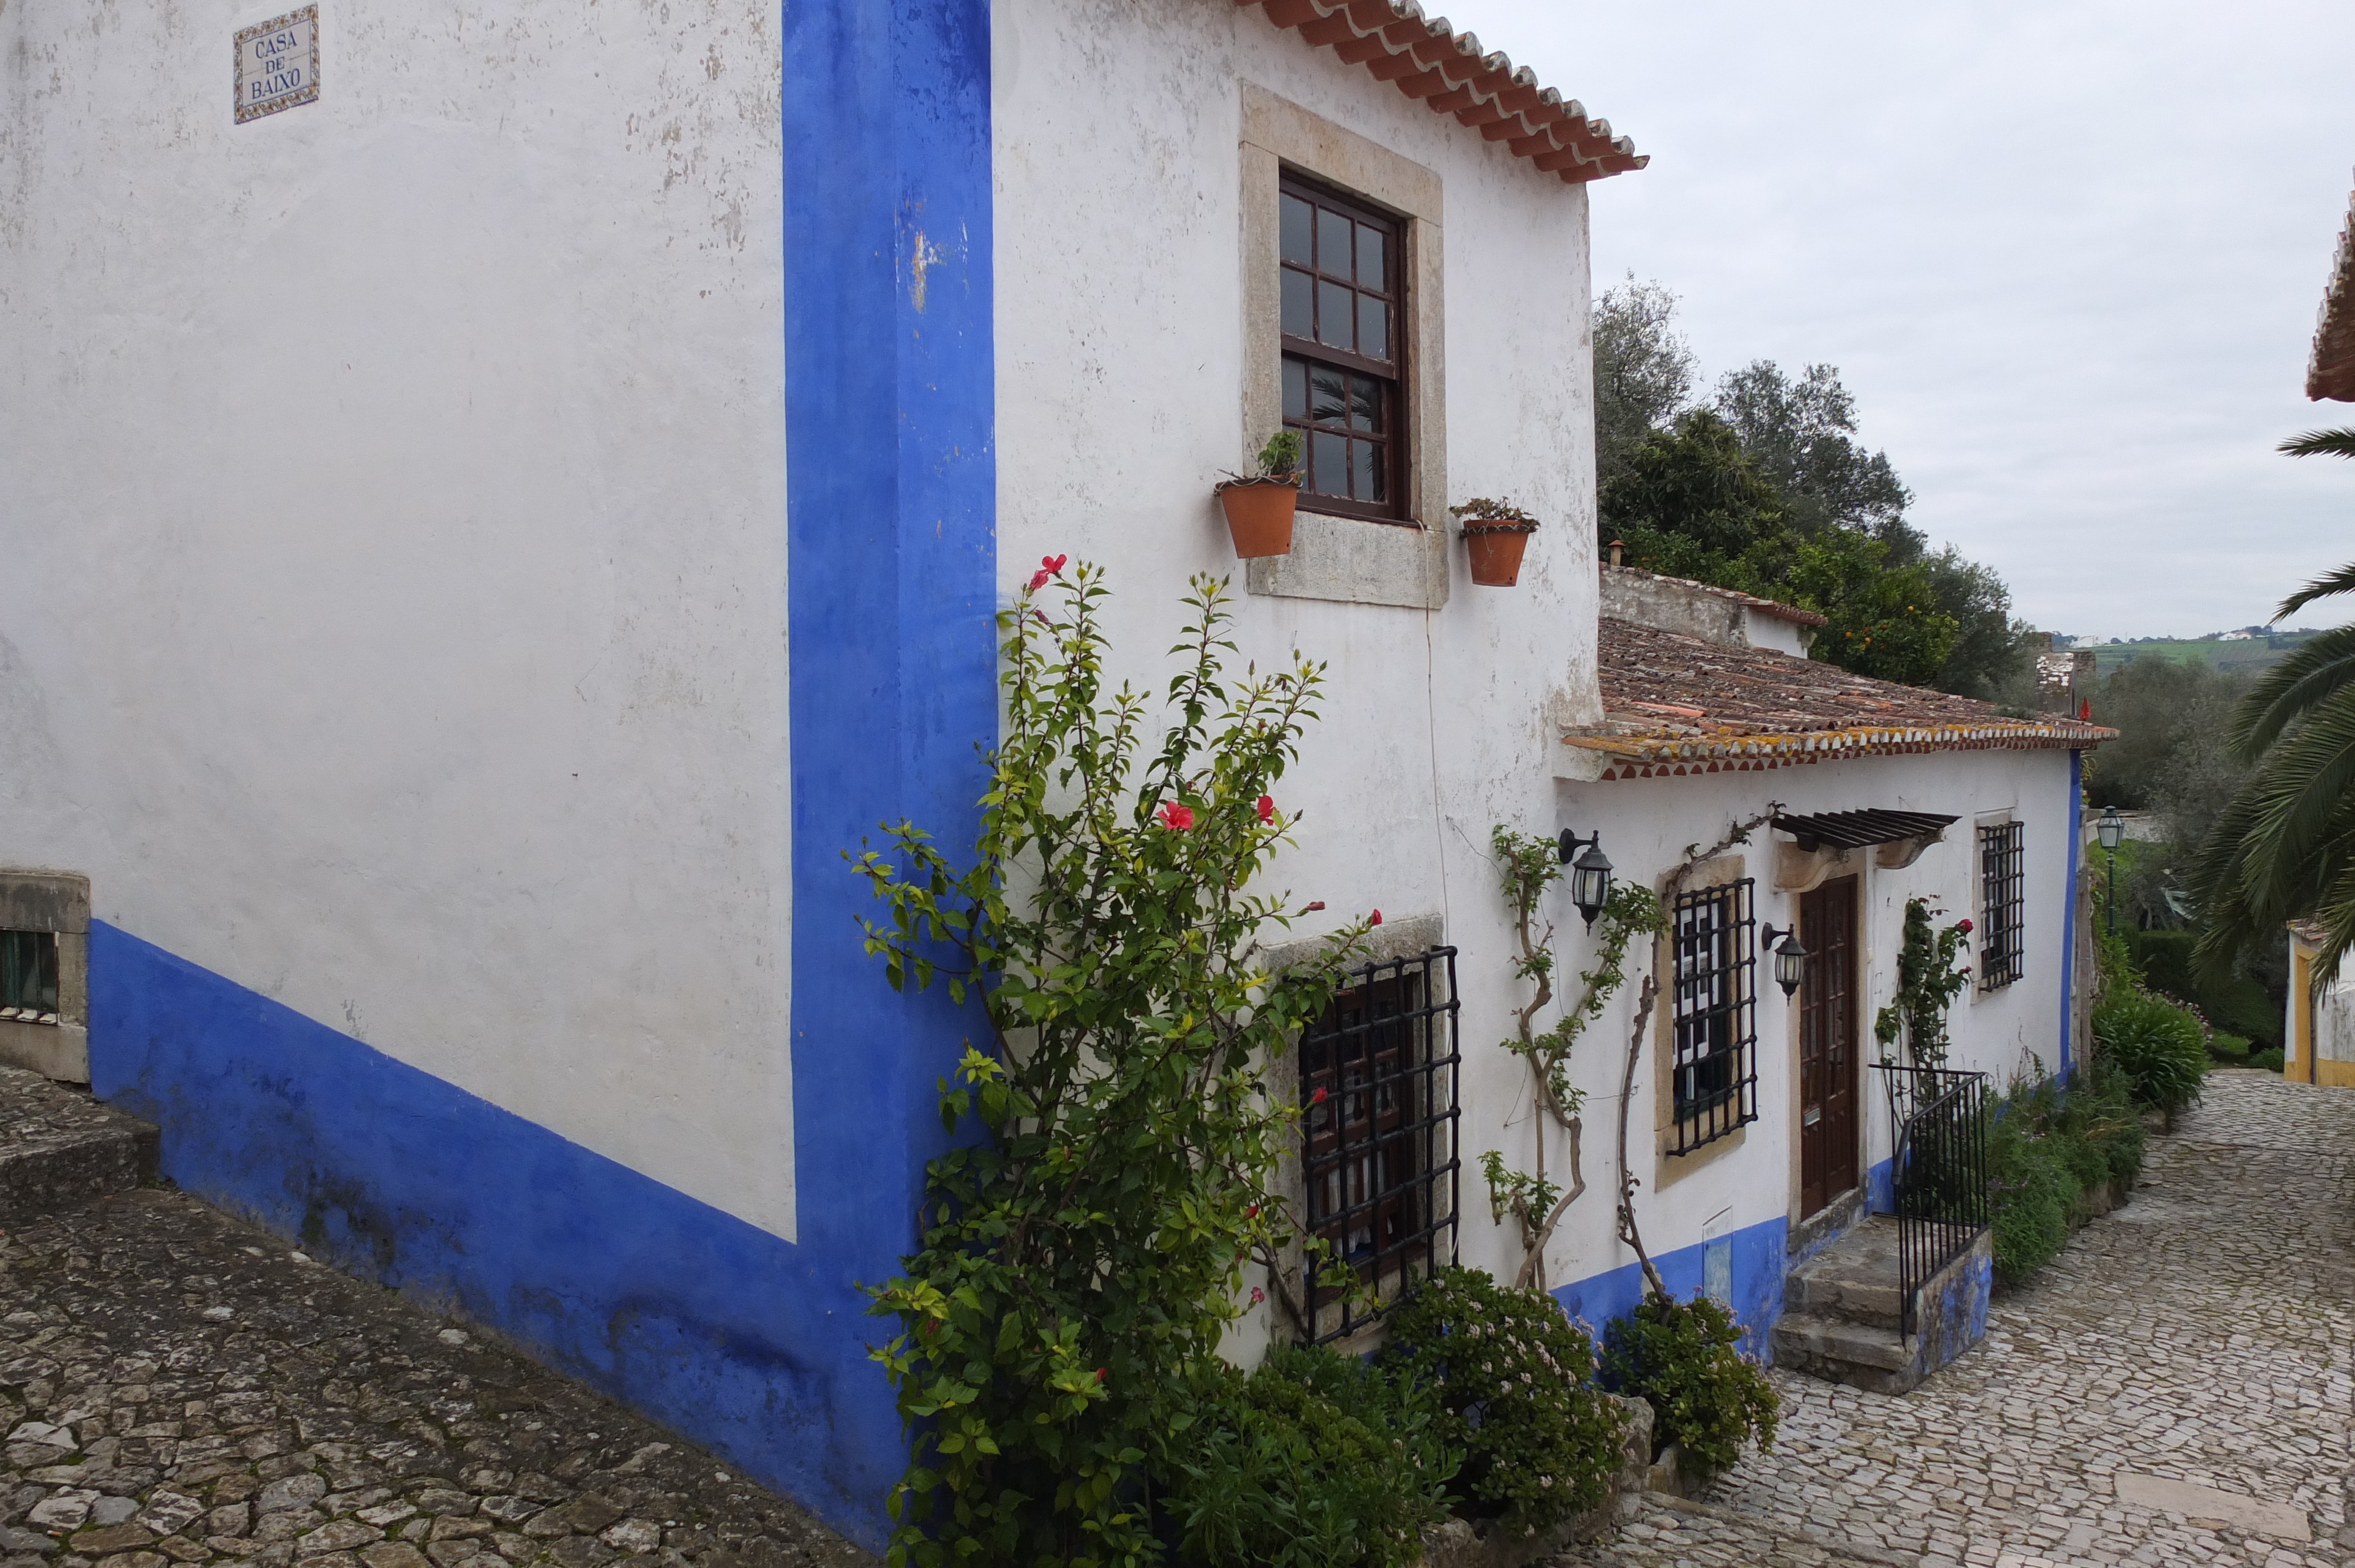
(1426, 58)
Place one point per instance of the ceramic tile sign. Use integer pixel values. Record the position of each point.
(278, 64)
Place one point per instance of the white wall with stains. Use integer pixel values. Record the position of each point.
(1121, 365)
(394, 612)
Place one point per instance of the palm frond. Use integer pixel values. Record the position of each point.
(2328, 583)
(2314, 670)
(2320, 443)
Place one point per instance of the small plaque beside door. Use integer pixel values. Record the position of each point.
(278, 64)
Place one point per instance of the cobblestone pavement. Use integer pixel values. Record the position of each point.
(178, 1388)
(2203, 1334)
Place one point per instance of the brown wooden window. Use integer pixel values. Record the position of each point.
(1378, 1087)
(1343, 268)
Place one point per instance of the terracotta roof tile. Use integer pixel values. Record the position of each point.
(1426, 58)
(1675, 704)
(1773, 607)
(2331, 372)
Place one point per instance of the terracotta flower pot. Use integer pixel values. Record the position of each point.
(1496, 550)
(1259, 515)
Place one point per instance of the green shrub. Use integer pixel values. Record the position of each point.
(1686, 1358)
(1315, 1460)
(1513, 1377)
(2032, 1191)
(2229, 1049)
(2161, 1049)
(2270, 1061)
(2236, 1003)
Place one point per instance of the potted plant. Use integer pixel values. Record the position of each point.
(1495, 535)
(1259, 505)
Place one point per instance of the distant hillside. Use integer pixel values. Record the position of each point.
(2251, 654)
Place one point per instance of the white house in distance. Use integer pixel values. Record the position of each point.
(495, 511)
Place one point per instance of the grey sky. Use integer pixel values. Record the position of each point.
(2067, 256)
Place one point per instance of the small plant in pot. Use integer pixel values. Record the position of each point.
(1495, 535)
(1260, 504)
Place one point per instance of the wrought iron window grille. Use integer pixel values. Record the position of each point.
(1380, 1160)
(2002, 874)
(1714, 995)
(28, 976)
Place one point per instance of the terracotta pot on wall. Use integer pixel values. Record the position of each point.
(1496, 550)
(1259, 514)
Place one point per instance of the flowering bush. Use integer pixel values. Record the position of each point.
(1685, 1358)
(1513, 1377)
(1928, 980)
(1083, 1251)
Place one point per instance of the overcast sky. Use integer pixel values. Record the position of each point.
(2067, 256)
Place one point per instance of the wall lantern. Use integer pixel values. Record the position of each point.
(1590, 874)
(1790, 959)
(2110, 829)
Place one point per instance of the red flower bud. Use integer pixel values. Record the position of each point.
(1267, 809)
(1039, 578)
(1251, 1212)
(1964, 926)
(1314, 906)
(1375, 919)
(1258, 1296)
(1318, 1097)
(1103, 1372)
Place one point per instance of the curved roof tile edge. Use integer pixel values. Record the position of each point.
(1426, 58)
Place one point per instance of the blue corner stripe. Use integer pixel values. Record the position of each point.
(709, 1325)
(2069, 956)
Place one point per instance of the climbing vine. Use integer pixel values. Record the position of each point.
(1527, 867)
(1928, 983)
(1084, 1242)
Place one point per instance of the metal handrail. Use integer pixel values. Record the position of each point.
(1938, 1172)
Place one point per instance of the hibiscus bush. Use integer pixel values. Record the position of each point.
(1085, 1243)
(1685, 1357)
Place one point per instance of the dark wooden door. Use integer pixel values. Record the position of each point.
(1829, 1058)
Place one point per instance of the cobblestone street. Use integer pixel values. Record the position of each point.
(2174, 1389)
(181, 1389)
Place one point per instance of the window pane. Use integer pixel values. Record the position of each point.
(1371, 273)
(1329, 403)
(1368, 459)
(1373, 327)
(1328, 464)
(1298, 216)
(1295, 390)
(1337, 315)
(1365, 403)
(1299, 303)
(1333, 233)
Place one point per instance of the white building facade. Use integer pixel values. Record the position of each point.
(485, 539)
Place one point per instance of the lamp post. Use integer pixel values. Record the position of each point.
(1590, 874)
(1790, 959)
(2110, 829)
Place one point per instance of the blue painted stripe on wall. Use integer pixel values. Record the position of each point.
(702, 1321)
(1756, 1275)
(2069, 905)
(890, 508)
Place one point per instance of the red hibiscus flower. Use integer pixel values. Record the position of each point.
(1038, 580)
(1258, 1296)
(1053, 565)
(1318, 1097)
(1267, 809)
(1175, 817)
(1964, 926)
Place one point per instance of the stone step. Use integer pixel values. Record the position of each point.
(1856, 1278)
(1840, 1349)
(59, 1148)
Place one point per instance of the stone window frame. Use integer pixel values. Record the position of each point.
(1669, 1166)
(56, 903)
(1351, 560)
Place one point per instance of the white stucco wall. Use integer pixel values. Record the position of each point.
(1121, 355)
(1646, 826)
(394, 612)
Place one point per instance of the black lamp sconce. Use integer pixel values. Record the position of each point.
(1790, 959)
(1590, 872)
